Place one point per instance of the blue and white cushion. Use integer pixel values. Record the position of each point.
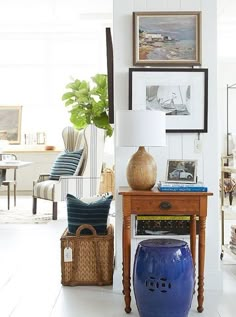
(65, 164)
(94, 212)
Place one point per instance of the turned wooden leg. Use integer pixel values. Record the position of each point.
(126, 262)
(201, 263)
(123, 290)
(193, 232)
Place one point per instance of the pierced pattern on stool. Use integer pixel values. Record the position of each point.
(161, 284)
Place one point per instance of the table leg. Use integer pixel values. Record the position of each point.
(193, 232)
(201, 263)
(126, 261)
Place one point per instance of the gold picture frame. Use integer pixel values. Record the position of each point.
(167, 38)
(10, 124)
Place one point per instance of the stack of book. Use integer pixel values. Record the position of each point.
(181, 187)
(233, 239)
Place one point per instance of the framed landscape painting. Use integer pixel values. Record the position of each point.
(167, 38)
(182, 93)
(10, 124)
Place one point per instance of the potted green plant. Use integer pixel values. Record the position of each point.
(88, 103)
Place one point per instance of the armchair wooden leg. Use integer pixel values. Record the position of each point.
(8, 196)
(54, 210)
(34, 209)
(15, 195)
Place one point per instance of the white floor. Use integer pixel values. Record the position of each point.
(30, 281)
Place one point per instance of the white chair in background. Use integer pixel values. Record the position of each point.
(85, 181)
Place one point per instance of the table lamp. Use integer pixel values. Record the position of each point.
(141, 128)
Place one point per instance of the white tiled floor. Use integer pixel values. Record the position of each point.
(30, 280)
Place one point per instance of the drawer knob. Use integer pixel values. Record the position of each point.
(165, 205)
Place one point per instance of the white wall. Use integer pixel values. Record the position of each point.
(44, 44)
(180, 146)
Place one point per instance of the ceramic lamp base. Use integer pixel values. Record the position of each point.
(141, 170)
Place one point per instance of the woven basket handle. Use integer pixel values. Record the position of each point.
(86, 226)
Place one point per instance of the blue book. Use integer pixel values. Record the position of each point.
(177, 187)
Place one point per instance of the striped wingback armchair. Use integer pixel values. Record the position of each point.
(85, 180)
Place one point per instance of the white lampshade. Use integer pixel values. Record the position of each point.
(140, 128)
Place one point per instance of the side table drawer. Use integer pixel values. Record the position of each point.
(162, 205)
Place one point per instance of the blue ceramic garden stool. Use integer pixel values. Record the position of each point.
(163, 278)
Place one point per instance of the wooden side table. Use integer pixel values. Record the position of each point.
(154, 202)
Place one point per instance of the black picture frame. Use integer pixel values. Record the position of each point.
(110, 74)
(182, 93)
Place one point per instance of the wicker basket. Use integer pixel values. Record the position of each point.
(92, 258)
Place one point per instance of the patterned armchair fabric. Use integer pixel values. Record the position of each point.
(85, 181)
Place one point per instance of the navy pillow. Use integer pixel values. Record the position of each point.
(94, 213)
(65, 164)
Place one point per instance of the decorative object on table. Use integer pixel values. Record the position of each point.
(181, 93)
(181, 171)
(163, 278)
(49, 147)
(163, 225)
(87, 259)
(10, 123)
(177, 187)
(88, 103)
(41, 137)
(167, 38)
(141, 128)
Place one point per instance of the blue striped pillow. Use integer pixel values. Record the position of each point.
(93, 213)
(65, 164)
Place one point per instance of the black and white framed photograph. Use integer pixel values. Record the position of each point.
(181, 93)
(167, 38)
(181, 171)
